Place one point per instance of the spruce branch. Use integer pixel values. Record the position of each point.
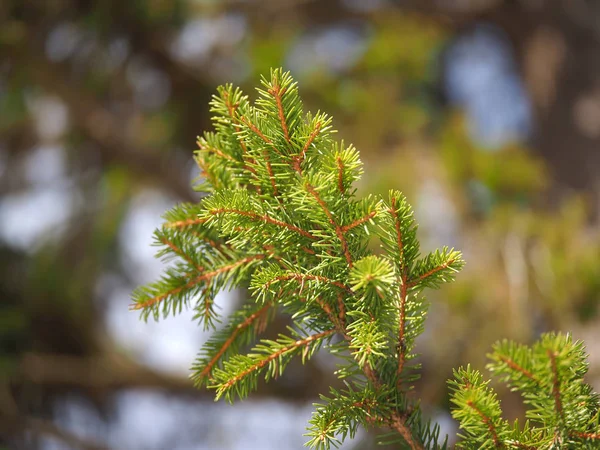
(242, 328)
(281, 217)
(240, 373)
(562, 409)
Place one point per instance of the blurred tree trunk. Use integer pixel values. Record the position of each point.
(557, 43)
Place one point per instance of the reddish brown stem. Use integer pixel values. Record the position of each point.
(340, 164)
(259, 365)
(413, 283)
(277, 93)
(302, 277)
(338, 231)
(263, 218)
(358, 222)
(193, 282)
(297, 161)
(238, 329)
(489, 423)
(184, 223)
(513, 365)
(555, 384)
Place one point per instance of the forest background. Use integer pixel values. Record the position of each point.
(485, 113)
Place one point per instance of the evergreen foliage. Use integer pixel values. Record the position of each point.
(281, 217)
(563, 411)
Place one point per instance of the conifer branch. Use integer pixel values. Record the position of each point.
(231, 109)
(513, 365)
(204, 167)
(263, 218)
(172, 292)
(358, 222)
(276, 91)
(271, 173)
(264, 361)
(340, 164)
(284, 220)
(216, 151)
(298, 160)
(341, 308)
(402, 330)
(338, 229)
(403, 291)
(205, 372)
(259, 133)
(301, 277)
(488, 422)
(212, 243)
(565, 417)
(398, 423)
(394, 212)
(180, 253)
(193, 282)
(185, 223)
(555, 384)
(424, 276)
(580, 434)
(339, 325)
(287, 243)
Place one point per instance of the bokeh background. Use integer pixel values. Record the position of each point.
(486, 113)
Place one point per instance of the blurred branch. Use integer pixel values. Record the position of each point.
(12, 423)
(113, 371)
(102, 372)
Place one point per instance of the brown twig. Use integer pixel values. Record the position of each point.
(488, 422)
(238, 329)
(193, 282)
(264, 218)
(338, 230)
(259, 365)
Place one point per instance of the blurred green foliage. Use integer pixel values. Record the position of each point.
(532, 247)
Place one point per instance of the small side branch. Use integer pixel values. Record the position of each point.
(398, 423)
(180, 253)
(184, 223)
(297, 161)
(260, 134)
(358, 222)
(263, 218)
(217, 152)
(277, 93)
(303, 277)
(403, 292)
(159, 298)
(205, 172)
(394, 214)
(581, 434)
(273, 356)
(193, 282)
(238, 329)
(416, 281)
(488, 422)
(340, 165)
(338, 229)
(271, 174)
(236, 124)
(513, 365)
(555, 384)
(402, 331)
